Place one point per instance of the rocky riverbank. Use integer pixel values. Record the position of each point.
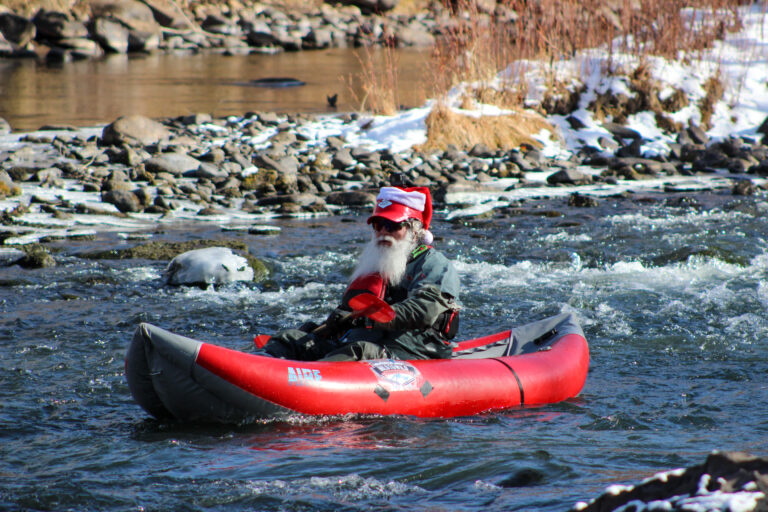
(129, 26)
(137, 171)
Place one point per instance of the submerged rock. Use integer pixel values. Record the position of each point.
(212, 265)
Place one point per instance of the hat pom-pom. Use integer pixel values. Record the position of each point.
(427, 237)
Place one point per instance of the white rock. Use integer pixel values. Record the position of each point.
(212, 265)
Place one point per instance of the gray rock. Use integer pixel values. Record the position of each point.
(17, 30)
(285, 165)
(262, 39)
(343, 159)
(81, 47)
(298, 199)
(168, 14)
(744, 188)
(143, 41)
(622, 132)
(354, 198)
(52, 25)
(569, 177)
(210, 171)
(581, 201)
(414, 34)
(134, 129)
(5, 127)
(173, 163)
(110, 34)
(318, 39)
(124, 200)
(219, 25)
(37, 256)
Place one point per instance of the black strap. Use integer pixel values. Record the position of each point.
(519, 384)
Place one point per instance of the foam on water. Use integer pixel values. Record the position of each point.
(343, 488)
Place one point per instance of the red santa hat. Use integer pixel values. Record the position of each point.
(399, 204)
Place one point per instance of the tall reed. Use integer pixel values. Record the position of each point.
(548, 31)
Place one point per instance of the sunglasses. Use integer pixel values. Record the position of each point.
(386, 225)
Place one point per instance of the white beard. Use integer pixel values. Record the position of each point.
(389, 261)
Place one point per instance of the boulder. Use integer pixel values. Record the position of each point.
(110, 34)
(144, 31)
(124, 200)
(173, 163)
(17, 30)
(569, 177)
(369, 6)
(211, 265)
(168, 14)
(53, 26)
(134, 129)
(353, 198)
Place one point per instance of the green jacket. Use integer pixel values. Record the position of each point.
(429, 288)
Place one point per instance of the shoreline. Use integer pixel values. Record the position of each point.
(136, 173)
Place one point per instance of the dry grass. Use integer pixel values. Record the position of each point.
(378, 79)
(446, 127)
(714, 90)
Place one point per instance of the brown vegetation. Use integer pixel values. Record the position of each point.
(475, 51)
(446, 127)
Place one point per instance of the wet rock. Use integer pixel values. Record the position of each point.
(725, 477)
(744, 188)
(10, 256)
(760, 169)
(582, 201)
(36, 256)
(134, 129)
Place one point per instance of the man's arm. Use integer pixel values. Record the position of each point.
(420, 310)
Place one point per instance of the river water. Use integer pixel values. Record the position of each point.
(671, 291)
(91, 92)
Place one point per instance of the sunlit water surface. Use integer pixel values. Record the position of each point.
(672, 296)
(93, 92)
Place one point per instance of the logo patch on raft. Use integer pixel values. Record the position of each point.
(302, 376)
(396, 375)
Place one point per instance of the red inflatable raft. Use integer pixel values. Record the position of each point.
(178, 378)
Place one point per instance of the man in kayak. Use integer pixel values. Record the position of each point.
(399, 266)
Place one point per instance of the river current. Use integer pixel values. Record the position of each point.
(670, 289)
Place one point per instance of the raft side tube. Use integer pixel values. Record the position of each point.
(166, 382)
